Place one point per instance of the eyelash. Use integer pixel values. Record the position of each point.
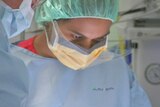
(76, 37)
(101, 39)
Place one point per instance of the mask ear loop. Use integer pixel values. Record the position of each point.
(47, 34)
(106, 44)
(55, 33)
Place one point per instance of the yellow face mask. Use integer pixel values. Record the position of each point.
(74, 59)
(70, 54)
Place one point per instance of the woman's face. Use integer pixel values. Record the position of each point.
(85, 32)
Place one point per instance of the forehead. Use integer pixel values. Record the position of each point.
(85, 21)
(86, 26)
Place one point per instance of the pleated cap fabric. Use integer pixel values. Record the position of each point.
(51, 10)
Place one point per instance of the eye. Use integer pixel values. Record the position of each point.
(101, 39)
(76, 36)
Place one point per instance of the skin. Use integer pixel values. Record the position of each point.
(15, 4)
(84, 32)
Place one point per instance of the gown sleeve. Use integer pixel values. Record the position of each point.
(14, 82)
(139, 97)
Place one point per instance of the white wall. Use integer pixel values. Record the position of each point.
(148, 53)
(128, 4)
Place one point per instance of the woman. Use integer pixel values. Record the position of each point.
(69, 64)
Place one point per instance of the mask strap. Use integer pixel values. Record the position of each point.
(55, 32)
(46, 36)
(106, 44)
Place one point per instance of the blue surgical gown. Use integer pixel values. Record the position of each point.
(109, 84)
(13, 76)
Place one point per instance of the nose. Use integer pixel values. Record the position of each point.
(88, 43)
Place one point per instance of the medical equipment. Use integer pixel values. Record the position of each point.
(152, 73)
(142, 28)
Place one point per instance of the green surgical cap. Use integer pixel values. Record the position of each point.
(66, 9)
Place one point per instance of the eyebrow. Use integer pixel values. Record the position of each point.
(94, 38)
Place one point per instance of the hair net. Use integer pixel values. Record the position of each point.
(66, 9)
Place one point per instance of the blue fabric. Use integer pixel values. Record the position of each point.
(13, 73)
(3, 39)
(13, 76)
(15, 21)
(110, 84)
